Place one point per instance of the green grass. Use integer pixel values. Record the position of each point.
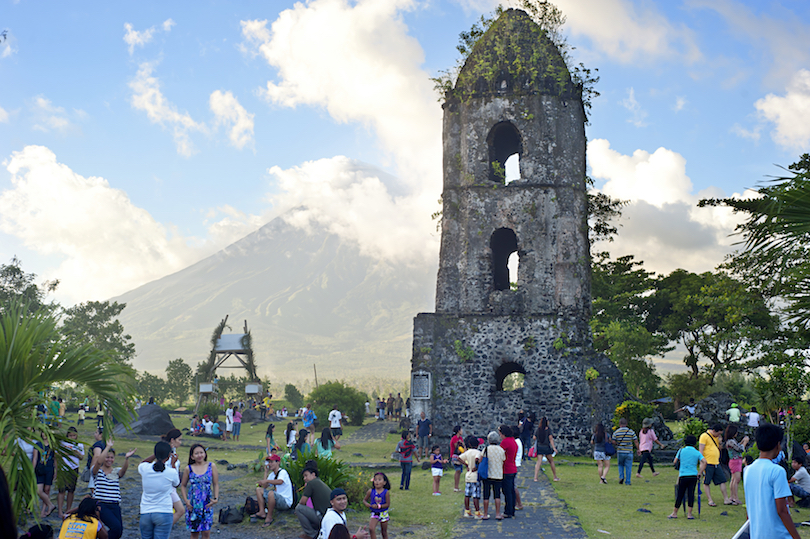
(614, 507)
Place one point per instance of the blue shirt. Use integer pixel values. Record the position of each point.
(423, 427)
(690, 458)
(765, 482)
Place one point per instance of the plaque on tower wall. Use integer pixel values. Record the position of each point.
(420, 385)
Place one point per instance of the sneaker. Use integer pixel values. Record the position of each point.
(467, 513)
(437, 493)
(479, 514)
(401, 487)
(621, 481)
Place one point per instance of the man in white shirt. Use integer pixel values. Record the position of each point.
(278, 488)
(334, 423)
(228, 421)
(336, 515)
(208, 425)
(753, 417)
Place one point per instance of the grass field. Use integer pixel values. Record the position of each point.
(614, 508)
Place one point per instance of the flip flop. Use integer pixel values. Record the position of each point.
(712, 504)
(728, 503)
(257, 515)
(671, 517)
(690, 518)
(267, 524)
(485, 517)
(499, 517)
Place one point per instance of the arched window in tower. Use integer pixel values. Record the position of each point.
(502, 243)
(512, 168)
(504, 142)
(509, 376)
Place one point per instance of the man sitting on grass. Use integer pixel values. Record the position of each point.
(800, 482)
(767, 490)
(278, 489)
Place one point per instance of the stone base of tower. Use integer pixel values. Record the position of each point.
(466, 358)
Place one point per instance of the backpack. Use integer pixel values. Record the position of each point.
(251, 506)
(231, 515)
(724, 457)
(483, 466)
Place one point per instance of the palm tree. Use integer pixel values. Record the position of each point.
(34, 357)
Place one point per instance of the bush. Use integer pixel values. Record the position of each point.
(634, 412)
(356, 487)
(211, 409)
(293, 396)
(693, 426)
(333, 472)
(348, 400)
(801, 423)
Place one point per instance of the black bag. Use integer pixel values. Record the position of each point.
(724, 457)
(251, 506)
(40, 468)
(231, 515)
(677, 464)
(86, 475)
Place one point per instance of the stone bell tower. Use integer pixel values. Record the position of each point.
(514, 196)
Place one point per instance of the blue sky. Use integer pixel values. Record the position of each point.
(138, 139)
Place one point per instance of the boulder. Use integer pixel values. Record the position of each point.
(152, 421)
(249, 415)
(661, 430)
(712, 409)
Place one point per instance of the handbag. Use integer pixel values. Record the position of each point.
(609, 449)
(483, 467)
(677, 464)
(85, 476)
(532, 451)
(231, 515)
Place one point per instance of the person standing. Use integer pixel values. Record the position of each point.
(317, 491)
(405, 448)
(526, 426)
(456, 448)
(544, 440)
(100, 415)
(45, 472)
(735, 460)
(159, 481)
(472, 486)
(237, 423)
(93, 453)
(389, 406)
(734, 413)
(200, 488)
(424, 432)
(494, 481)
(335, 418)
(710, 448)
(66, 481)
(687, 459)
(229, 421)
(625, 439)
(767, 489)
(398, 407)
(753, 418)
(107, 488)
(598, 439)
(510, 448)
(309, 421)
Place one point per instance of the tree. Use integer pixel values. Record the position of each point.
(619, 289)
(95, 322)
(34, 357)
(293, 396)
(777, 238)
(784, 387)
(178, 380)
(18, 286)
(719, 320)
(347, 399)
(151, 387)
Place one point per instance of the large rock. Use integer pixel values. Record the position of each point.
(712, 409)
(251, 415)
(661, 430)
(152, 421)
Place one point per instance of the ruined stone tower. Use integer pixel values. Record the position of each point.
(514, 98)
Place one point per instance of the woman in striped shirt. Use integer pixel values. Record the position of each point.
(108, 489)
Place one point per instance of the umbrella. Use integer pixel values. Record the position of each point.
(699, 491)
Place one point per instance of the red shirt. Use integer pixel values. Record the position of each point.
(509, 446)
(454, 441)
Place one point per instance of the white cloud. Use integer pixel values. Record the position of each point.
(108, 244)
(3, 115)
(632, 105)
(134, 38)
(227, 110)
(357, 61)
(148, 98)
(48, 117)
(661, 223)
(623, 30)
(167, 25)
(680, 104)
(790, 113)
(354, 200)
(750, 134)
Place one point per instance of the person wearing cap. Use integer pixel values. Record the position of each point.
(316, 490)
(280, 496)
(646, 439)
(336, 515)
(734, 413)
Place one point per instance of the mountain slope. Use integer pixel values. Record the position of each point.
(307, 298)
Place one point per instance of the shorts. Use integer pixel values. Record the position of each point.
(66, 480)
(423, 442)
(600, 455)
(495, 485)
(437, 472)
(714, 473)
(175, 497)
(735, 465)
(337, 431)
(281, 503)
(398, 411)
(382, 516)
(237, 428)
(46, 478)
(472, 490)
(458, 467)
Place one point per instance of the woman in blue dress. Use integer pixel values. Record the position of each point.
(200, 488)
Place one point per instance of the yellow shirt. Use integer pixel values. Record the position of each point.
(712, 450)
(73, 528)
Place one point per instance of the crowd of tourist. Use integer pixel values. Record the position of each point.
(175, 488)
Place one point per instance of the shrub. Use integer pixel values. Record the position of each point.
(800, 425)
(693, 426)
(333, 472)
(634, 412)
(348, 400)
(211, 409)
(356, 487)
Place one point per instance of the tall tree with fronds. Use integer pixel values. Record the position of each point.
(776, 236)
(34, 357)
